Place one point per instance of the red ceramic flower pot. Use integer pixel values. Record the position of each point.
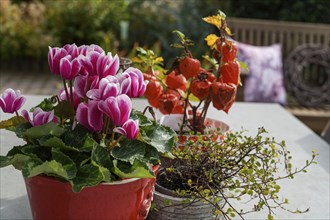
(126, 199)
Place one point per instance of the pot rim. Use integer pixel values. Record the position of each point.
(164, 120)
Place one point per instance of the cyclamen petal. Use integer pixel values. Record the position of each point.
(132, 128)
(108, 87)
(90, 116)
(95, 116)
(119, 130)
(65, 68)
(25, 115)
(113, 65)
(76, 101)
(84, 83)
(72, 49)
(132, 83)
(54, 57)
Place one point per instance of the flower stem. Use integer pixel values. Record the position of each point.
(71, 94)
(17, 116)
(66, 91)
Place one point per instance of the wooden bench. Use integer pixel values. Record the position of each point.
(297, 39)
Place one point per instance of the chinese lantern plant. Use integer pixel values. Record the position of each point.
(186, 81)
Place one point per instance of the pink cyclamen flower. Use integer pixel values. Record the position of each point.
(132, 83)
(72, 50)
(82, 84)
(11, 101)
(118, 109)
(76, 101)
(54, 58)
(39, 117)
(64, 61)
(89, 116)
(108, 86)
(95, 63)
(69, 68)
(84, 49)
(130, 129)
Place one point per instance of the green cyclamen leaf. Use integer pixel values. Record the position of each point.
(160, 137)
(19, 160)
(88, 144)
(55, 142)
(43, 130)
(66, 162)
(5, 161)
(75, 137)
(129, 150)
(40, 152)
(61, 166)
(87, 175)
(143, 120)
(12, 122)
(137, 170)
(101, 157)
(34, 167)
(46, 105)
(16, 124)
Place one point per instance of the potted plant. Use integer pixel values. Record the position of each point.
(210, 166)
(185, 92)
(88, 153)
(209, 177)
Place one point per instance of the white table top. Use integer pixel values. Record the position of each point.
(306, 190)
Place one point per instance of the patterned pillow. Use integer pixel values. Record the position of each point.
(264, 82)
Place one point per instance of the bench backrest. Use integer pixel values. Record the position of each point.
(289, 34)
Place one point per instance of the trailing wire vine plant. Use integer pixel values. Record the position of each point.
(238, 168)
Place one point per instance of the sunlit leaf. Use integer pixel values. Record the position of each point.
(138, 170)
(211, 40)
(44, 130)
(87, 175)
(214, 20)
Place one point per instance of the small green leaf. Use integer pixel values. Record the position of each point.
(44, 130)
(160, 137)
(5, 161)
(129, 150)
(34, 167)
(19, 160)
(88, 144)
(37, 151)
(101, 157)
(87, 175)
(75, 137)
(126, 170)
(55, 142)
(67, 163)
(46, 105)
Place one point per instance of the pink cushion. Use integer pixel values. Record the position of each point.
(264, 82)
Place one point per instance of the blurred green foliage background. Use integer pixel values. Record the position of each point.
(28, 27)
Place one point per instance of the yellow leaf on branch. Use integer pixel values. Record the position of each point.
(215, 20)
(211, 40)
